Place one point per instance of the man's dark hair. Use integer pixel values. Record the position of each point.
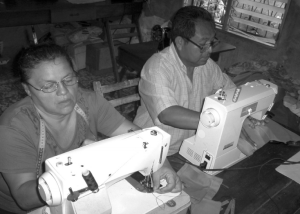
(30, 57)
(183, 21)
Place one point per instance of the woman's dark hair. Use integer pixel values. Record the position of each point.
(183, 21)
(30, 57)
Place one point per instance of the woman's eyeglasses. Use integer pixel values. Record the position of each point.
(53, 86)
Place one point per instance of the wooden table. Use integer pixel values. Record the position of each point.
(32, 12)
(253, 188)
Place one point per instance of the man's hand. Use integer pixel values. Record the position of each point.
(173, 182)
(252, 122)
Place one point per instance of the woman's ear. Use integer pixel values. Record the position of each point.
(25, 86)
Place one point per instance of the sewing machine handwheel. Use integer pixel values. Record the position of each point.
(49, 190)
(210, 118)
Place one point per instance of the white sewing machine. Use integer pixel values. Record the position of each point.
(215, 144)
(63, 186)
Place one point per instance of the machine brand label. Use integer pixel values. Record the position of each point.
(236, 94)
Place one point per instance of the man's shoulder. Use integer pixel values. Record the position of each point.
(164, 60)
(166, 55)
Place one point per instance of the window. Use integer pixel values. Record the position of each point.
(258, 20)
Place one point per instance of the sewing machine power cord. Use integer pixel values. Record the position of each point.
(285, 162)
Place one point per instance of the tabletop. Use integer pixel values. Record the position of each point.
(261, 190)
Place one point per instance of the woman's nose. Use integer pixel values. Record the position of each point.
(61, 88)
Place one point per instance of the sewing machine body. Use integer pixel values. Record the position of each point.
(109, 161)
(215, 144)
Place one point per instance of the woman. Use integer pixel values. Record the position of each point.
(56, 116)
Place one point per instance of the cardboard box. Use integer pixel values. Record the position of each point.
(98, 57)
(78, 53)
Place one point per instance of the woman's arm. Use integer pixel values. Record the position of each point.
(23, 187)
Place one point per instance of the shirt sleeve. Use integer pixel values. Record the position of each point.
(155, 87)
(17, 153)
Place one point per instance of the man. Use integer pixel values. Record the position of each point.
(175, 81)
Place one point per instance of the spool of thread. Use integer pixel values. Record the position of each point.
(90, 181)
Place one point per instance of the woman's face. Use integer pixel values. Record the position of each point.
(60, 102)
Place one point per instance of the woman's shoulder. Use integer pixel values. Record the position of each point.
(85, 95)
(18, 110)
(90, 99)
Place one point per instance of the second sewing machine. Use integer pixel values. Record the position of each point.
(215, 144)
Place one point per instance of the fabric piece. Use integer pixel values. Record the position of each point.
(19, 131)
(164, 83)
(291, 171)
(206, 206)
(272, 131)
(176, 161)
(199, 186)
(263, 134)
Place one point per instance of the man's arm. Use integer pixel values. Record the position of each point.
(23, 187)
(180, 117)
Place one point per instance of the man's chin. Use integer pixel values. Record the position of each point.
(202, 62)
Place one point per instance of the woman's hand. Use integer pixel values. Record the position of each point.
(173, 182)
(87, 142)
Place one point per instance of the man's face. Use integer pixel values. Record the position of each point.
(190, 54)
(59, 102)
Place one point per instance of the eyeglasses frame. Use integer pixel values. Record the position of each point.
(62, 81)
(212, 44)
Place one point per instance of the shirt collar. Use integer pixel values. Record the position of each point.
(174, 54)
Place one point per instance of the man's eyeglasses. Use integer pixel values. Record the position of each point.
(53, 86)
(205, 47)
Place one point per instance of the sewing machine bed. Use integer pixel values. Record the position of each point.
(127, 200)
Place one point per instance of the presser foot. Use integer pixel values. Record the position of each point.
(140, 182)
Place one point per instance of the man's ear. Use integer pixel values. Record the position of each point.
(25, 86)
(179, 42)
